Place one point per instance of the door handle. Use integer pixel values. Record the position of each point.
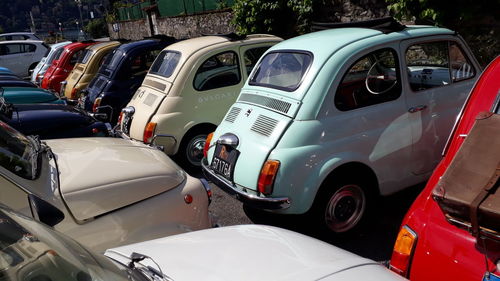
(417, 108)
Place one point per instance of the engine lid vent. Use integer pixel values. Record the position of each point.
(281, 106)
(264, 125)
(233, 113)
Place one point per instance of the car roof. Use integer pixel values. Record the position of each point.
(192, 45)
(17, 33)
(324, 43)
(102, 45)
(127, 47)
(21, 41)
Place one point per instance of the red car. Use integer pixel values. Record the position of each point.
(62, 65)
(430, 247)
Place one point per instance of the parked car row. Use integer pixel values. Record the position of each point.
(320, 125)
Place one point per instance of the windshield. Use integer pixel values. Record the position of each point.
(111, 62)
(85, 56)
(281, 70)
(165, 63)
(17, 153)
(32, 251)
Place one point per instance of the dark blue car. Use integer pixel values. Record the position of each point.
(51, 121)
(120, 75)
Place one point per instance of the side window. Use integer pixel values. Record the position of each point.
(28, 48)
(13, 49)
(428, 65)
(74, 58)
(251, 57)
(218, 71)
(139, 65)
(373, 79)
(461, 67)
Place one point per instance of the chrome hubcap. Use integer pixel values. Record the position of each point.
(194, 150)
(345, 208)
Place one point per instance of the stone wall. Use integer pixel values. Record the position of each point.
(178, 27)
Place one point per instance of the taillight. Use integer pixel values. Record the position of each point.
(149, 132)
(267, 176)
(120, 117)
(207, 144)
(74, 92)
(403, 251)
(96, 104)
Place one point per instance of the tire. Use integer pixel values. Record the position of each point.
(341, 204)
(191, 151)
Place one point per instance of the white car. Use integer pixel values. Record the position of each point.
(18, 36)
(31, 251)
(52, 53)
(21, 56)
(103, 192)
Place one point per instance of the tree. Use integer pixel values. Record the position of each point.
(475, 20)
(280, 17)
(97, 28)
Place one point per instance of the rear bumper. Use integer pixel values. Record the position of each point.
(268, 203)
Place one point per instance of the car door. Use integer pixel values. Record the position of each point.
(439, 75)
(371, 124)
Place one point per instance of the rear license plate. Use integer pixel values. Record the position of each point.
(224, 160)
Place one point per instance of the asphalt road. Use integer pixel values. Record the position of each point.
(373, 240)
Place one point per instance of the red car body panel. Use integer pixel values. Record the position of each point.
(445, 251)
(60, 68)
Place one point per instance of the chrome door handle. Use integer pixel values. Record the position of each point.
(417, 108)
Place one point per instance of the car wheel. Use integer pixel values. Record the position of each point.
(341, 205)
(191, 151)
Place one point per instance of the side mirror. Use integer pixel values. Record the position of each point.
(45, 212)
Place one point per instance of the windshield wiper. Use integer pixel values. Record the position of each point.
(150, 272)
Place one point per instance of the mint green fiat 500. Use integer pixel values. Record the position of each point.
(329, 120)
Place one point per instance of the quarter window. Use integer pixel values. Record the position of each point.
(436, 64)
(461, 67)
(218, 71)
(373, 79)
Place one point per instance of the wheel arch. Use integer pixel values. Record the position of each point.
(353, 169)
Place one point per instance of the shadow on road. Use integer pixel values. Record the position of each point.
(374, 240)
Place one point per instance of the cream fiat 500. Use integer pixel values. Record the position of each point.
(187, 91)
(103, 192)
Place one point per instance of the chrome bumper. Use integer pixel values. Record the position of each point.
(269, 203)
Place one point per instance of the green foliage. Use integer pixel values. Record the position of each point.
(97, 28)
(280, 17)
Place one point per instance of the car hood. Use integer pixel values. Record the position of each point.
(32, 119)
(244, 252)
(34, 96)
(99, 175)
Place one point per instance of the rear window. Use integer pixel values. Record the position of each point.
(282, 70)
(165, 63)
